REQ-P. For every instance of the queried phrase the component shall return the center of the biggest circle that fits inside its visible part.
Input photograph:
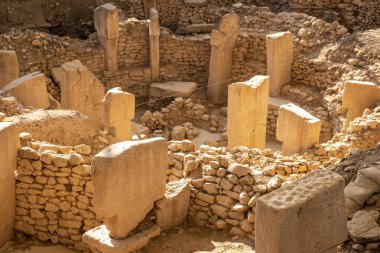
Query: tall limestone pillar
(222, 42)
(279, 61)
(247, 112)
(106, 19)
(148, 5)
(154, 44)
(9, 69)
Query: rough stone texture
(9, 144)
(363, 228)
(128, 177)
(30, 90)
(247, 112)
(172, 88)
(118, 110)
(222, 43)
(357, 97)
(307, 215)
(172, 210)
(279, 61)
(154, 44)
(106, 19)
(9, 69)
(200, 28)
(296, 129)
(80, 89)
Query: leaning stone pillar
(247, 112)
(279, 61)
(9, 145)
(154, 44)
(118, 110)
(296, 129)
(106, 19)
(9, 69)
(148, 5)
(222, 42)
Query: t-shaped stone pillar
(118, 110)
(9, 69)
(222, 43)
(279, 61)
(296, 129)
(154, 44)
(247, 112)
(106, 19)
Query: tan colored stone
(9, 69)
(154, 44)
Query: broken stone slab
(195, 3)
(128, 178)
(178, 133)
(9, 68)
(173, 88)
(200, 28)
(30, 90)
(172, 209)
(363, 228)
(100, 239)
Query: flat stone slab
(99, 238)
(172, 88)
(195, 3)
(200, 28)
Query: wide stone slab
(172, 88)
(200, 28)
(128, 178)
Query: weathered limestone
(106, 19)
(357, 97)
(128, 178)
(148, 5)
(279, 61)
(247, 112)
(9, 145)
(173, 88)
(9, 69)
(307, 215)
(296, 129)
(80, 89)
(222, 43)
(172, 209)
(154, 44)
(30, 90)
(118, 110)
(200, 28)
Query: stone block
(307, 215)
(200, 28)
(154, 44)
(9, 69)
(172, 89)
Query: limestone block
(148, 5)
(195, 3)
(9, 145)
(154, 44)
(100, 239)
(200, 28)
(106, 19)
(172, 88)
(172, 209)
(307, 215)
(118, 110)
(247, 112)
(363, 228)
(30, 90)
(80, 89)
(296, 129)
(222, 43)
(279, 60)
(358, 96)
(128, 178)
(9, 69)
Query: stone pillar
(106, 19)
(279, 61)
(358, 96)
(118, 110)
(154, 44)
(9, 145)
(307, 215)
(247, 112)
(222, 43)
(296, 129)
(9, 69)
(148, 5)
(30, 90)
(80, 89)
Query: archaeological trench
(124, 122)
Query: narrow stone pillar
(358, 96)
(296, 129)
(9, 145)
(9, 69)
(222, 43)
(148, 5)
(106, 19)
(154, 44)
(279, 61)
(247, 113)
(307, 215)
(118, 110)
